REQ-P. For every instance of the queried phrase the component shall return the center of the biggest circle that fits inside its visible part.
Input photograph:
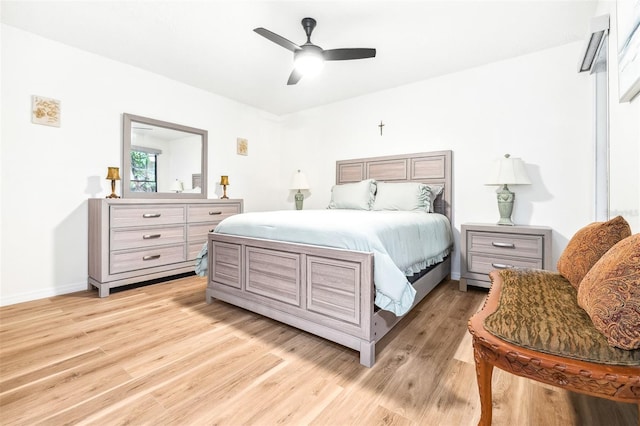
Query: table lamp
(299, 182)
(113, 174)
(507, 171)
(177, 186)
(224, 181)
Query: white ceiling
(211, 45)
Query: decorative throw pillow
(588, 245)
(610, 293)
(357, 195)
(404, 196)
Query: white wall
(48, 173)
(536, 107)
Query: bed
(328, 291)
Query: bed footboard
(326, 291)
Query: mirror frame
(126, 157)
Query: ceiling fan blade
(279, 40)
(294, 77)
(346, 54)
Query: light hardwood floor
(159, 355)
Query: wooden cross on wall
(381, 125)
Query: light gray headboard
(426, 167)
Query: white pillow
(404, 196)
(356, 196)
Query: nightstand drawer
(505, 244)
(483, 264)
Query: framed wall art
(45, 111)
(242, 146)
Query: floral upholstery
(538, 310)
(610, 293)
(588, 245)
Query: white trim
(42, 294)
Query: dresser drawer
(483, 264)
(200, 231)
(212, 212)
(504, 244)
(193, 249)
(131, 260)
(128, 238)
(147, 215)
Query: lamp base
(113, 190)
(224, 195)
(505, 206)
(299, 197)
(505, 221)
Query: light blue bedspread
(402, 243)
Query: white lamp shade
(508, 171)
(177, 186)
(299, 181)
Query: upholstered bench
(537, 324)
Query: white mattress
(402, 243)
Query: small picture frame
(242, 146)
(45, 111)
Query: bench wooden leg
(484, 373)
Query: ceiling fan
(309, 58)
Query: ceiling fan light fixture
(308, 63)
(308, 59)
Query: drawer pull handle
(150, 236)
(501, 265)
(150, 215)
(214, 213)
(151, 257)
(503, 245)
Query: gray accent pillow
(356, 196)
(404, 196)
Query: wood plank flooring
(158, 355)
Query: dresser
(136, 240)
(485, 247)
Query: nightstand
(485, 247)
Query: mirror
(162, 159)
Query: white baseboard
(41, 294)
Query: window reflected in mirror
(144, 177)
